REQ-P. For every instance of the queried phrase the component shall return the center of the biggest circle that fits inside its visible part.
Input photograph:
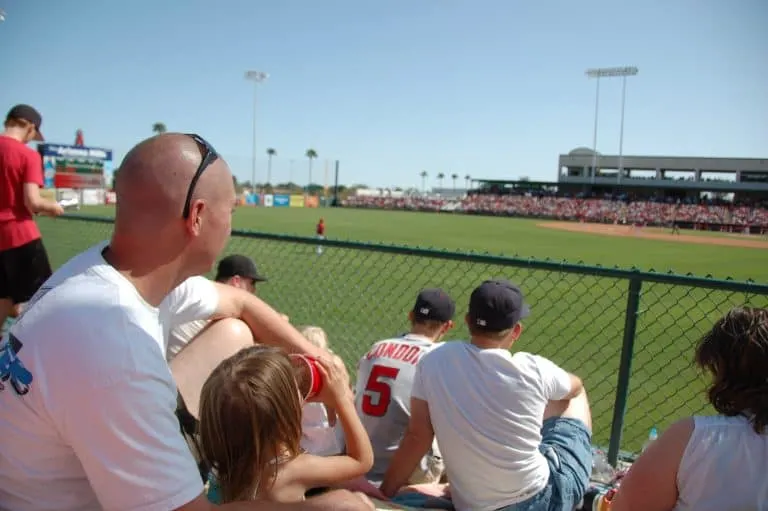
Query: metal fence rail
(629, 334)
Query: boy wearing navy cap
(384, 380)
(514, 430)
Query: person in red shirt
(24, 262)
(320, 232)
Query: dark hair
(735, 351)
(250, 418)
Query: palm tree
(423, 175)
(311, 154)
(270, 153)
(159, 128)
(440, 178)
(468, 178)
(454, 177)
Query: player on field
(384, 380)
(320, 233)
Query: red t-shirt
(320, 229)
(19, 164)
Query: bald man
(87, 397)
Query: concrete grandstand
(726, 194)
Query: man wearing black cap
(236, 270)
(515, 430)
(24, 262)
(384, 380)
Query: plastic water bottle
(652, 436)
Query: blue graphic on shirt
(11, 368)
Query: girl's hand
(335, 380)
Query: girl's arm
(318, 471)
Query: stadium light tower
(256, 77)
(610, 72)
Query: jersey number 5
(380, 383)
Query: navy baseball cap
(497, 305)
(29, 114)
(238, 265)
(434, 305)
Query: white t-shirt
(383, 396)
(318, 436)
(89, 421)
(182, 334)
(487, 408)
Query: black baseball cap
(29, 114)
(497, 305)
(238, 265)
(434, 305)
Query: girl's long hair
(735, 352)
(250, 420)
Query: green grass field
(578, 321)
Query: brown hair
(250, 417)
(735, 351)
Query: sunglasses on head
(209, 156)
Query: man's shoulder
(86, 330)
(11, 145)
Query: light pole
(256, 77)
(610, 72)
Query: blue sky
(490, 88)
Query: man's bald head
(155, 175)
(151, 186)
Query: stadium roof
(514, 182)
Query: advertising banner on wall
(281, 201)
(268, 200)
(252, 199)
(66, 166)
(297, 201)
(311, 202)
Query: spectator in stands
(89, 422)
(715, 463)
(250, 430)
(514, 430)
(385, 377)
(235, 270)
(24, 262)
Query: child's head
(250, 416)
(432, 314)
(495, 310)
(315, 335)
(735, 352)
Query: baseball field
(360, 295)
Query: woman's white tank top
(724, 467)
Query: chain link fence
(630, 335)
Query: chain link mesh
(577, 320)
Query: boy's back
(486, 407)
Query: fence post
(625, 368)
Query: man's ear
(517, 330)
(195, 220)
(410, 316)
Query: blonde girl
(250, 429)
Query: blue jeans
(567, 445)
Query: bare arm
(37, 204)
(651, 484)
(267, 325)
(415, 444)
(577, 387)
(318, 471)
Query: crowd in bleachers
(579, 209)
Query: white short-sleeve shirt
(486, 407)
(87, 414)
